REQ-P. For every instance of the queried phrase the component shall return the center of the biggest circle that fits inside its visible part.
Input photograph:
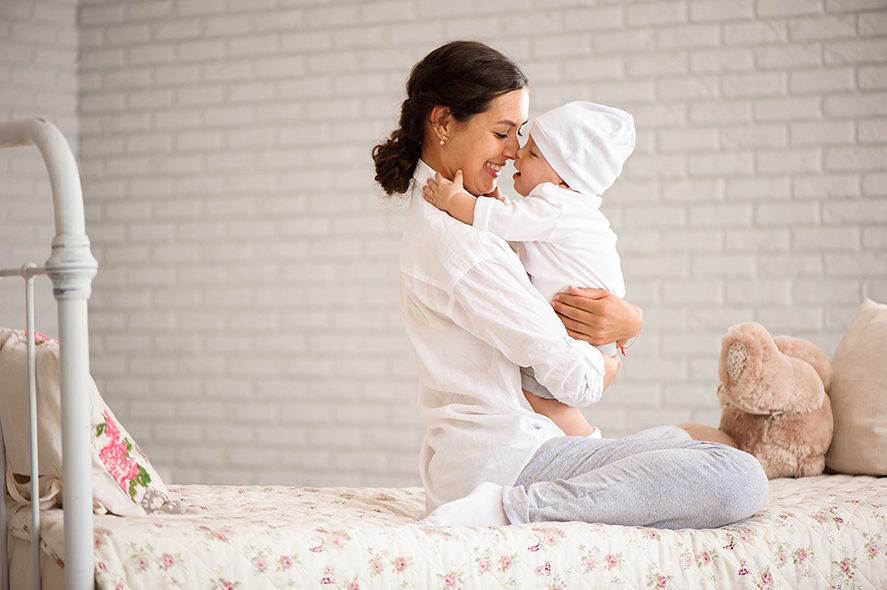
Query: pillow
(859, 395)
(123, 480)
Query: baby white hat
(585, 143)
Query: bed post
(71, 268)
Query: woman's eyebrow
(508, 122)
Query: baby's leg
(567, 418)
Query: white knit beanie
(585, 143)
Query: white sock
(482, 507)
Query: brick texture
(245, 318)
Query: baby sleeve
(527, 219)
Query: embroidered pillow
(123, 480)
(859, 395)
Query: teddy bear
(774, 400)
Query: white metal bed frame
(71, 268)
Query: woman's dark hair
(464, 76)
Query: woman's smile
(493, 169)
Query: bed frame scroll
(71, 268)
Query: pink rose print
(449, 580)
(611, 561)
(285, 562)
(661, 581)
(801, 554)
(168, 560)
(41, 338)
(376, 566)
(111, 428)
(115, 458)
(400, 564)
(766, 578)
(261, 564)
(504, 562)
(704, 558)
(483, 565)
(353, 586)
(872, 549)
(141, 562)
(845, 567)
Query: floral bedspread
(818, 532)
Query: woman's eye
(500, 135)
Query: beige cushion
(123, 480)
(859, 395)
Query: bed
(828, 531)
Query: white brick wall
(38, 77)
(245, 317)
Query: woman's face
(480, 146)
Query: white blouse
(472, 318)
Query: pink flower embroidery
(261, 564)
(111, 428)
(376, 565)
(801, 554)
(661, 581)
(845, 567)
(353, 586)
(168, 560)
(449, 580)
(766, 578)
(400, 564)
(611, 561)
(504, 562)
(115, 458)
(285, 562)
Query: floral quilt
(817, 532)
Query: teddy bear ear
(737, 360)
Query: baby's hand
(440, 192)
(496, 194)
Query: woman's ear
(441, 121)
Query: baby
(574, 153)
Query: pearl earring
(443, 140)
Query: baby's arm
(450, 197)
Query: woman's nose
(512, 147)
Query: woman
(473, 318)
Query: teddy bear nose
(737, 356)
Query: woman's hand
(597, 316)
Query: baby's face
(532, 169)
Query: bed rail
(71, 268)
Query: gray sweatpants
(659, 477)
